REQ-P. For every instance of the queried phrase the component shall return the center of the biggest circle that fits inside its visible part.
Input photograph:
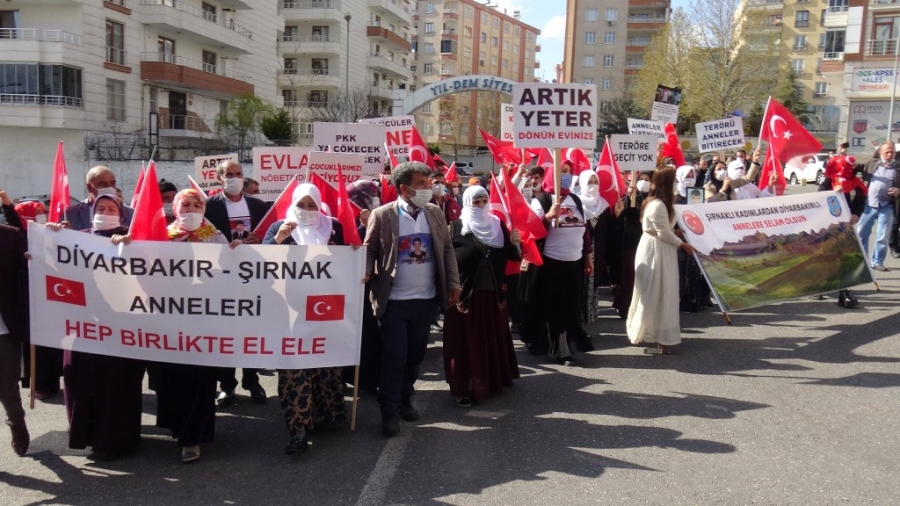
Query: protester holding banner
(13, 331)
(479, 357)
(99, 180)
(308, 395)
(883, 177)
(103, 393)
(685, 178)
(411, 261)
(225, 210)
(653, 315)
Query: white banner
(721, 134)
(872, 80)
(397, 132)
(325, 163)
(665, 104)
(506, 122)
(365, 139)
(549, 115)
(646, 127)
(205, 168)
(273, 307)
(634, 152)
(273, 168)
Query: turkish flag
(328, 193)
(578, 158)
(500, 149)
(66, 291)
(393, 158)
(785, 134)
(59, 191)
(137, 187)
(769, 165)
(388, 192)
(496, 206)
(612, 184)
(671, 147)
(149, 221)
(279, 208)
(324, 308)
(451, 174)
(346, 212)
(418, 151)
(196, 186)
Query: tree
(453, 122)
(277, 128)
(614, 120)
(346, 107)
(240, 124)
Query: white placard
(397, 132)
(722, 134)
(506, 122)
(272, 307)
(646, 127)
(353, 167)
(549, 115)
(273, 168)
(872, 80)
(205, 168)
(666, 113)
(634, 152)
(365, 139)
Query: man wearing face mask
(99, 180)
(167, 191)
(223, 209)
(442, 198)
(406, 292)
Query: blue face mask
(565, 181)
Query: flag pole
(32, 363)
(355, 398)
(557, 178)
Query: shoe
(569, 361)
(408, 412)
(658, 350)
(225, 398)
(190, 454)
(846, 299)
(464, 402)
(257, 394)
(895, 253)
(880, 268)
(390, 425)
(297, 445)
(20, 438)
(43, 395)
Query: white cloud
(555, 28)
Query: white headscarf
(593, 203)
(681, 173)
(479, 221)
(319, 232)
(736, 168)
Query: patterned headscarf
(201, 233)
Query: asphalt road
(794, 403)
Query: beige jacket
(382, 233)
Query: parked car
(465, 168)
(813, 170)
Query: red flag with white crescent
(59, 191)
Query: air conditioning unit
(481, 62)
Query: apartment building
(342, 59)
(114, 78)
(465, 37)
(606, 41)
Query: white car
(813, 169)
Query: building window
(166, 49)
(483, 38)
(494, 41)
(429, 27)
(607, 60)
(493, 59)
(506, 45)
(319, 66)
(773, 20)
(590, 37)
(469, 11)
(467, 32)
(527, 54)
(833, 42)
(609, 38)
(289, 97)
(427, 68)
(429, 48)
(318, 98)
(587, 80)
(115, 100)
(798, 64)
(495, 23)
(505, 63)
(588, 60)
(801, 19)
(115, 42)
(591, 14)
(427, 107)
(505, 27)
(606, 83)
(209, 12)
(821, 89)
(41, 84)
(605, 106)
(515, 66)
(612, 14)
(290, 33)
(209, 62)
(515, 50)
(446, 46)
(484, 18)
(515, 31)
(429, 7)
(799, 42)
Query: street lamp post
(890, 128)
(347, 72)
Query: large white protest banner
(273, 168)
(397, 132)
(550, 115)
(721, 134)
(205, 169)
(760, 251)
(274, 307)
(634, 152)
(325, 164)
(646, 127)
(366, 139)
(506, 122)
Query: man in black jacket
(13, 331)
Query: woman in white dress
(653, 315)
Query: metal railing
(201, 14)
(39, 34)
(180, 122)
(309, 38)
(837, 8)
(884, 2)
(833, 56)
(392, 60)
(54, 100)
(310, 72)
(326, 4)
(194, 64)
(881, 47)
(115, 55)
(308, 104)
(646, 19)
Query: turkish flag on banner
(346, 212)
(59, 191)
(149, 221)
(671, 147)
(323, 308)
(279, 208)
(612, 184)
(328, 193)
(66, 291)
(785, 134)
(418, 151)
(137, 187)
(769, 165)
(196, 186)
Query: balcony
(646, 22)
(38, 45)
(392, 7)
(765, 5)
(881, 47)
(537, 48)
(833, 56)
(41, 111)
(383, 34)
(326, 10)
(384, 92)
(181, 72)
(388, 65)
(449, 35)
(875, 4)
(452, 57)
(171, 125)
(320, 78)
(310, 44)
(193, 22)
(835, 17)
(448, 13)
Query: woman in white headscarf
(308, 396)
(741, 181)
(685, 177)
(479, 358)
(597, 220)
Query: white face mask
(233, 185)
(305, 217)
(438, 190)
(643, 186)
(41, 218)
(527, 192)
(689, 182)
(721, 175)
(106, 191)
(421, 198)
(105, 221)
(592, 190)
(190, 221)
(168, 208)
(376, 202)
